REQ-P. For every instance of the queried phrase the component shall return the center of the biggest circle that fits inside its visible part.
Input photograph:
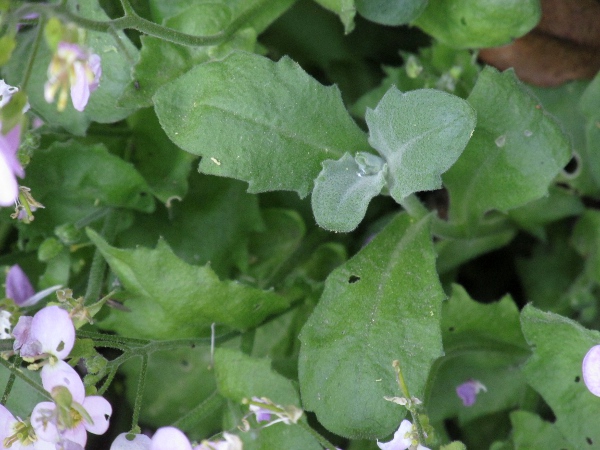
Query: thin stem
(108, 381)
(98, 267)
(11, 381)
(34, 51)
(140, 393)
(404, 388)
(127, 8)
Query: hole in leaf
(573, 167)
(353, 279)
(463, 21)
(577, 379)
(185, 363)
(589, 440)
(451, 329)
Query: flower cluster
(171, 438)
(72, 68)
(46, 339)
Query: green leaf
(391, 12)
(531, 432)
(164, 166)
(513, 156)
(382, 305)
(420, 134)
(482, 342)
(452, 253)
(588, 105)
(559, 345)
(73, 180)
(346, 9)
(266, 123)
(242, 377)
(558, 204)
(220, 208)
(586, 240)
(23, 397)
(161, 306)
(478, 23)
(176, 381)
(344, 189)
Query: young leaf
(390, 12)
(382, 305)
(477, 23)
(266, 123)
(420, 134)
(343, 191)
(514, 154)
(559, 345)
(161, 306)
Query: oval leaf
(382, 305)
(420, 134)
(342, 193)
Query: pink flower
(468, 391)
(67, 420)
(170, 438)
(49, 333)
(229, 442)
(72, 66)
(139, 442)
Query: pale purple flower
(50, 332)
(11, 432)
(591, 370)
(404, 438)
(87, 414)
(19, 288)
(72, 67)
(139, 442)
(262, 414)
(10, 167)
(468, 391)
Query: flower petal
(80, 89)
(139, 442)
(44, 428)
(591, 370)
(100, 411)
(62, 374)
(53, 328)
(170, 438)
(18, 286)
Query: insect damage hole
(353, 279)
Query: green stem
(98, 267)
(140, 393)
(11, 381)
(413, 206)
(34, 51)
(488, 227)
(404, 388)
(324, 442)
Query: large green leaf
(559, 345)
(391, 12)
(420, 134)
(514, 154)
(483, 342)
(171, 299)
(242, 377)
(531, 432)
(382, 305)
(73, 180)
(589, 106)
(266, 123)
(479, 23)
